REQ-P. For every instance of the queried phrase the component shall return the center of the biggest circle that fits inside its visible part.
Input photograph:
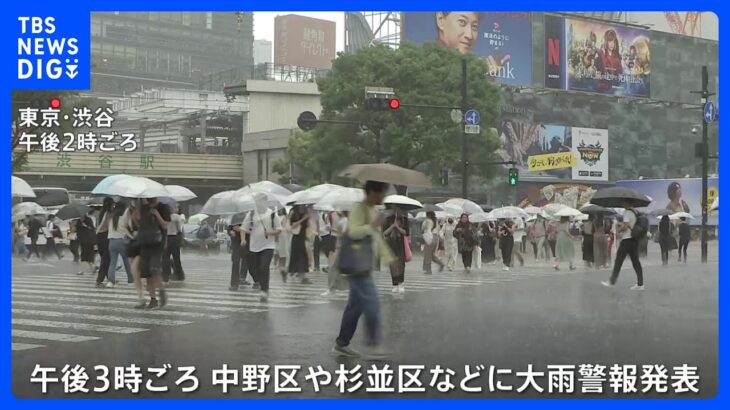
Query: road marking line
(58, 337)
(76, 326)
(109, 318)
(25, 346)
(78, 305)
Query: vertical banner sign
(554, 52)
(590, 147)
(503, 40)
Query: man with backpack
(634, 227)
(264, 226)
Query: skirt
(87, 252)
(298, 261)
(327, 244)
(282, 245)
(587, 248)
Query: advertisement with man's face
(677, 195)
(504, 40)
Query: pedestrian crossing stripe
(101, 318)
(58, 337)
(25, 346)
(76, 326)
(110, 306)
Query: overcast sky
(263, 24)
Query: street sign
(471, 129)
(307, 121)
(471, 117)
(709, 112)
(456, 116)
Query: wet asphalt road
(530, 315)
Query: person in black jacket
(34, 228)
(664, 239)
(684, 238)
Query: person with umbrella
(587, 244)
(263, 226)
(466, 238)
(684, 238)
(487, 242)
(430, 229)
(153, 220)
(102, 240)
(239, 253)
(172, 250)
(52, 231)
(600, 242)
(34, 228)
(299, 255)
(396, 234)
(364, 224)
(450, 243)
(506, 242)
(564, 249)
(628, 246)
(87, 239)
(118, 236)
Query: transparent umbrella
(342, 199)
(311, 195)
(229, 203)
(21, 188)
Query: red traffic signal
(394, 103)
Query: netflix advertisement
(597, 57)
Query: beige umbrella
(389, 173)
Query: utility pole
(704, 94)
(464, 141)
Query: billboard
(522, 140)
(503, 39)
(677, 195)
(597, 57)
(304, 41)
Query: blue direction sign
(471, 117)
(709, 112)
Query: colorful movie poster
(503, 39)
(590, 147)
(597, 57)
(677, 195)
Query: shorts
(150, 263)
(133, 249)
(327, 244)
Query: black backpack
(203, 232)
(641, 227)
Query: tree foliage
(423, 138)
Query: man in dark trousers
(628, 246)
(174, 229)
(34, 228)
(239, 256)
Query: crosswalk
(50, 309)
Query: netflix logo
(554, 52)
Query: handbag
(407, 248)
(356, 255)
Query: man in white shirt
(628, 246)
(264, 226)
(50, 240)
(174, 229)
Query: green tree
(423, 138)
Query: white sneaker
(110, 284)
(637, 287)
(607, 284)
(395, 289)
(264, 296)
(506, 268)
(326, 293)
(401, 289)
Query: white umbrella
(403, 202)
(681, 215)
(24, 209)
(311, 195)
(533, 210)
(130, 186)
(229, 203)
(273, 200)
(439, 215)
(480, 217)
(342, 199)
(197, 218)
(466, 206)
(451, 209)
(715, 204)
(550, 210)
(270, 187)
(508, 212)
(21, 188)
(180, 193)
(569, 212)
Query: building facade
(262, 52)
(132, 51)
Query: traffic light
(378, 99)
(513, 176)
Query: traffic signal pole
(704, 95)
(464, 141)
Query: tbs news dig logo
(42, 55)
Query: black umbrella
(72, 211)
(596, 210)
(615, 197)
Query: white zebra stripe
(25, 346)
(102, 318)
(111, 306)
(76, 326)
(58, 337)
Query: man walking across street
(629, 246)
(364, 223)
(264, 226)
(174, 229)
